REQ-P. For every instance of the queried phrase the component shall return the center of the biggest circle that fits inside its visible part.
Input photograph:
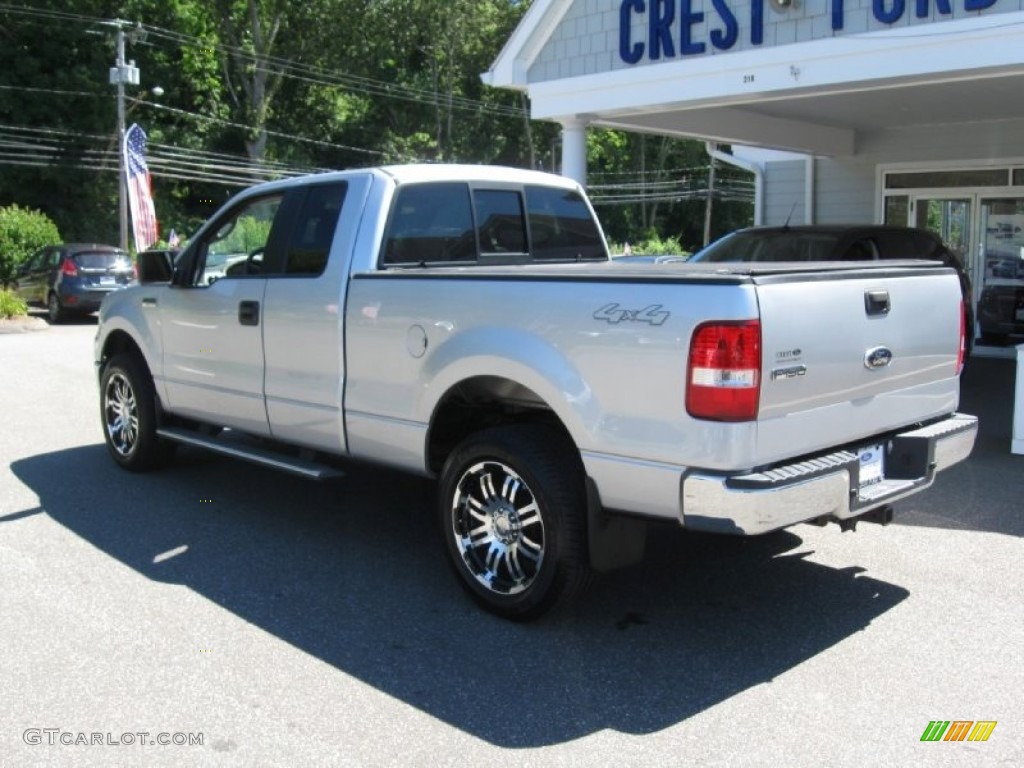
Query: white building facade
(885, 111)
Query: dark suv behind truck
(73, 278)
(843, 242)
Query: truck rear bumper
(827, 486)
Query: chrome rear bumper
(824, 487)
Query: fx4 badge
(613, 314)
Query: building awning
(822, 96)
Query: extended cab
(465, 323)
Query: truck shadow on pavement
(352, 573)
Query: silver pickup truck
(466, 323)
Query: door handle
(249, 312)
(876, 302)
(148, 301)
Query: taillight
(724, 378)
(68, 268)
(962, 354)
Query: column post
(574, 149)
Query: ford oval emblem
(879, 357)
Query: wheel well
(118, 343)
(479, 403)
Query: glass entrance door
(999, 274)
(950, 218)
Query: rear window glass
(445, 223)
(431, 223)
(561, 226)
(102, 260)
(781, 246)
(501, 225)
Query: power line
(292, 69)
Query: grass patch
(11, 305)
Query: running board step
(293, 464)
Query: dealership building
(845, 111)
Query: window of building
(976, 177)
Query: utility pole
(122, 72)
(710, 202)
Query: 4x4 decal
(613, 314)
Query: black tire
(512, 504)
(128, 412)
(55, 312)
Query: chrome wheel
(512, 505)
(498, 528)
(121, 414)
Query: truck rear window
(447, 223)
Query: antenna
(790, 216)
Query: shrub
(652, 246)
(22, 233)
(11, 305)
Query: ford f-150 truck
(466, 323)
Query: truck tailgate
(849, 354)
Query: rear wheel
(513, 512)
(55, 313)
(128, 410)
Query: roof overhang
(818, 97)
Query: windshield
(769, 246)
(102, 260)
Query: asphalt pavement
(282, 622)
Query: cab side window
(314, 229)
(430, 223)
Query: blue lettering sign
(890, 16)
(663, 13)
(724, 40)
(673, 27)
(942, 6)
(687, 18)
(629, 51)
(837, 14)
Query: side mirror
(155, 267)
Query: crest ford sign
(679, 28)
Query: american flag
(140, 193)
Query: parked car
(664, 258)
(73, 278)
(1001, 312)
(822, 242)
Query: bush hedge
(22, 233)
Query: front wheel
(513, 512)
(128, 410)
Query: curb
(22, 324)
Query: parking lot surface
(282, 622)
